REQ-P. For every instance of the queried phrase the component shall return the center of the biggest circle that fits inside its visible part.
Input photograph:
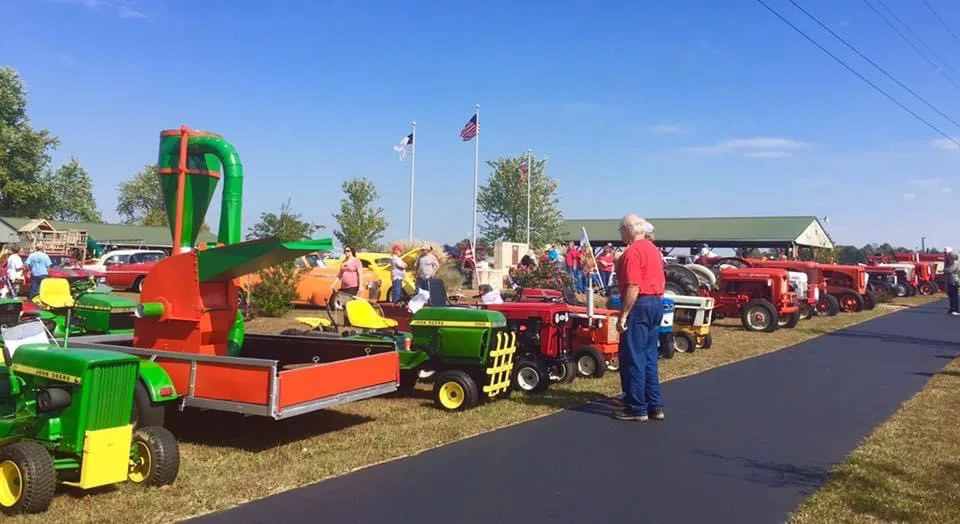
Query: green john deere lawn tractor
(468, 353)
(95, 310)
(65, 416)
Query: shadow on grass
(254, 434)
(558, 398)
(947, 373)
(771, 474)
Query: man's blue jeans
(576, 275)
(35, 281)
(639, 351)
(396, 291)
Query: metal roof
(715, 231)
(119, 234)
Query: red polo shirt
(641, 265)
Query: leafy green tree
(360, 224)
(140, 200)
(72, 194)
(24, 153)
(285, 225)
(503, 203)
(277, 289)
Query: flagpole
(529, 177)
(413, 173)
(476, 180)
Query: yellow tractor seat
(55, 293)
(361, 314)
(314, 322)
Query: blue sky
(680, 108)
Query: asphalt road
(741, 444)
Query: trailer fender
(157, 382)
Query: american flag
(523, 170)
(469, 131)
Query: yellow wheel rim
(11, 484)
(140, 463)
(451, 395)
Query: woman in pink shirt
(350, 278)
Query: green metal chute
(223, 263)
(93, 248)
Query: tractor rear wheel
(563, 372)
(684, 342)
(900, 289)
(27, 478)
(530, 375)
(927, 288)
(667, 345)
(590, 363)
(760, 315)
(870, 300)
(827, 306)
(145, 412)
(850, 301)
(789, 322)
(455, 390)
(154, 457)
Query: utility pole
(923, 244)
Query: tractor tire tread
(38, 476)
(471, 394)
(164, 452)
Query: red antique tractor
(848, 284)
(761, 297)
(883, 280)
(815, 299)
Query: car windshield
(151, 257)
(314, 260)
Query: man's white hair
(636, 226)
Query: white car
(121, 256)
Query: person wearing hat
(427, 266)
(398, 270)
(951, 276)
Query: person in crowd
(574, 261)
(553, 255)
(641, 282)
(951, 274)
(398, 270)
(529, 259)
(350, 277)
(14, 270)
(6, 286)
(39, 263)
(427, 266)
(605, 261)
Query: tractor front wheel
(667, 346)
(911, 289)
(454, 390)
(27, 478)
(760, 315)
(145, 412)
(870, 300)
(789, 322)
(850, 301)
(563, 372)
(154, 457)
(707, 341)
(806, 311)
(590, 363)
(684, 342)
(927, 288)
(530, 375)
(827, 306)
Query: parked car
(125, 268)
(316, 286)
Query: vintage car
(125, 268)
(380, 264)
(316, 286)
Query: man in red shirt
(641, 281)
(574, 260)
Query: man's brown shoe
(622, 414)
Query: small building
(122, 236)
(785, 233)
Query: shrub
(272, 296)
(546, 275)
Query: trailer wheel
(870, 300)
(667, 345)
(455, 390)
(590, 363)
(827, 306)
(684, 342)
(707, 341)
(154, 457)
(760, 315)
(927, 288)
(850, 301)
(27, 478)
(789, 322)
(530, 375)
(145, 412)
(563, 372)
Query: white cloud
(755, 147)
(945, 144)
(946, 190)
(909, 196)
(669, 129)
